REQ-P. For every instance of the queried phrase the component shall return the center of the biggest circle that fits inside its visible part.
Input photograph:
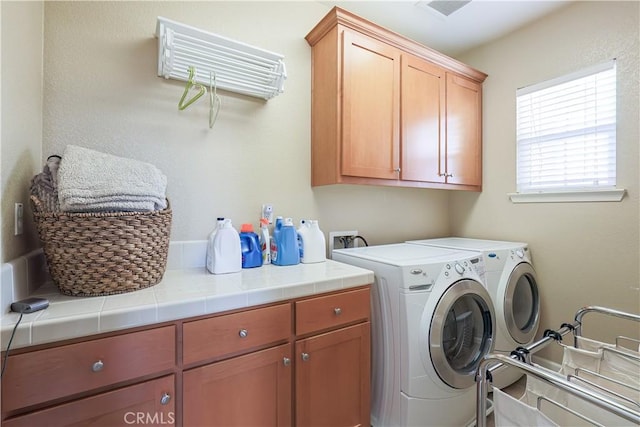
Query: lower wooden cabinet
(333, 378)
(249, 390)
(326, 382)
(303, 362)
(149, 403)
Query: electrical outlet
(267, 212)
(18, 219)
(342, 239)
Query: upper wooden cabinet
(389, 111)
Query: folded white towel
(89, 180)
(110, 206)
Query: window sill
(613, 195)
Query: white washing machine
(432, 322)
(511, 280)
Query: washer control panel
(458, 269)
(519, 254)
(422, 277)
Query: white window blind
(566, 132)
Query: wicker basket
(103, 253)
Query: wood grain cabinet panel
(464, 131)
(74, 368)
(331, 311)
(423, 121)
(333, 378)
(370, 107)
(233, 333)
(386, 110)
(249, 390)
(150, 403)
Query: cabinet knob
(305, 356)
(97, 366)
(337, 311)
(243, 333)
(165, 399)
(397, 170)
(286, 361)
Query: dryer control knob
(520, 253)
(459, 268)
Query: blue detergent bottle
(272, 244)
(250, 247)
(287, 248)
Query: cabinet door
(250, 390)
(333, 378)
(423, 108)
(370, 108)
(148, 403)
(464, 131)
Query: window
(566, 133)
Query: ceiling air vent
(444, 7)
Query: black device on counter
(30, 305)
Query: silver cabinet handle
(397, 170)
(243, 333)
(337, 311)
(305, 356)
(165, 399)
(286, 361)
(97, 366)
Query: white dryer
(432, 323)
(511, 280)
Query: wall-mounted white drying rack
(238, 67)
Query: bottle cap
(246, 228)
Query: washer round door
(522, 304)
(461, 332)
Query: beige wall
(21, 116)
(101, 91)
(584, 253)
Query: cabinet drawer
(330, 311)
(43, 375)
(151, 402)
(234, 333)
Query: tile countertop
(182, 293)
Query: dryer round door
(461, 332)
(522, 304)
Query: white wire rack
(238, 67)
(601, 396)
